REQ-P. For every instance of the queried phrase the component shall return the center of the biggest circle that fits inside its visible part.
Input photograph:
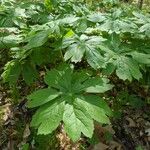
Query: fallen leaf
(115, 145)
(5, 112)
(100, 146)
(26, 132)
(148, 132)
(131, 122)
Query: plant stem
(140, 4)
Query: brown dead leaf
(65, 141)
(148, 132)
(26, 132)
(100, 131)
(131, 122)
(109, 128)
(5, 112)
(42, 73)
(115, 145)
(100, 146)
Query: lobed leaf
(42, 96)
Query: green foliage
(49, 141)
(25, 147)
(84, 45)
(125, 99)
(12, 72)
(132, 100)
(69, 95)
(89, 41)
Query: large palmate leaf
(121, 58)
(115, 22)
(144, 21)
(77, 47)
(65, 100)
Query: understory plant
(80, 48)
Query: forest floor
(131, 131)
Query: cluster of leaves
(69, 98)
(36, 34)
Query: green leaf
(72, 125)
(76, 120)
(134, 68)
(10, 41)
(77, 47)
(115, 22)
(99, 89)
(123, 71)
(76, 53)
(141, 57)
(61, 78)
(97, 85)
(110, 67)
(62, 98)
(11, 72)
(95, 106)
(128, 68)
(82, 26)
(41, 97)
(94, 58)
(68, 20)
(38, 39)
(38, 55)
(50, 4)
(48, 117)
(25, 146)
(52, 77)
(29, 73)
(96, 17)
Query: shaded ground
(131, 131)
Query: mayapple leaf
(94, 105)
(141, 57)
(98, 88)
(64, 100)
(48, 116)
(29, 72)
(42, 96)
(96, 17)
(76, 120)
(80, 46)
(10, 41)
(120, 58)
(38, 39)
(11, 72)
(97, 85)
(127, 68)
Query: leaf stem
(61, 54)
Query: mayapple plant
(70, 98)
(62, 36)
